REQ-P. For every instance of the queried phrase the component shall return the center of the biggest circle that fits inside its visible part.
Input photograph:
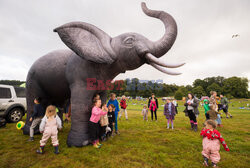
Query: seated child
(49, 125)
(96, 113)
(211, 143)
(111, 118)
(145, 112)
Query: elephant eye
(129, 40)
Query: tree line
(233, 87)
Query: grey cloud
(204, 33)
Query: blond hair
(50, 111)
(212, 123)
(212, 92)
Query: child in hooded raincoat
(207, 108)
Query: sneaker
(31, 139)
(231, 116)
(117, 132)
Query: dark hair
(103, 104)
(152, 94)
(94, 101)
(39, 99)
(95, 95)
(212, 123)
(191, 95)
(113, 106)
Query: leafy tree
(237, 87)
(214, 87)
(178, 94)
(198, 91)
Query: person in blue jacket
(114, 101)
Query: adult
(153, 106)
(192, 111)
(114, 101)
(224, 105)
(123, 105)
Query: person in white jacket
(49, 127)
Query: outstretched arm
(58, 122)
(42, 124)
(223, 143)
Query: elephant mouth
(160, 65)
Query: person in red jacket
(211, 143)
(123, 105)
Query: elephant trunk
(161, 47)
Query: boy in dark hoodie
(36, 117)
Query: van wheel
(15, 115)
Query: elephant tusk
(164, 70)
(155, 60)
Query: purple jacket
(167, 111)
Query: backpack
(2, 122)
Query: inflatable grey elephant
(64, 74)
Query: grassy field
(141, 144)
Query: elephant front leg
(81, 103)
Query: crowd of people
(103, 122)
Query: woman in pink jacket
(96, 114)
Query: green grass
(141, 144)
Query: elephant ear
(87, 41)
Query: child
(96, 113)
(211, 143)
(103, 123)
(145, 113)
(36, 116)
(49, 125)
(111, 118)
(123, 107)
(114, 101)
(169, 112)
(207, 108)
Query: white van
(12, 103)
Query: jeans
(116, 124)
(218, 120)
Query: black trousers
(93, 131)
(110, 132)
(207, 116)
(102, 131)
(192, 116)
(152, 114)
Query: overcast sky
(204, 41)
